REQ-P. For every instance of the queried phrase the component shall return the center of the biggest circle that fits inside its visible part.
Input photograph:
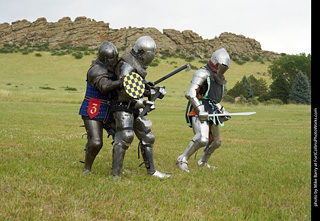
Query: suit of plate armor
(101, 82)
(204, 95)
(126, 109)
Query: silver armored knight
(101, 82)
(204, 95)
(126, 110)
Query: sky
(282, 26)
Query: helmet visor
(148, 57)
(222, 69)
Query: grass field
(263, 164)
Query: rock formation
(90, 33)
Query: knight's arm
(104, 84)
(98, 78)
(198, 78)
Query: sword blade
(232, 114)
(187, 66)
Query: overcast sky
(279, 25)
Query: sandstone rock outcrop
(90, 33)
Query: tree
(290, 65)
(258, 86)
(237, 90)
(247, 86)
(301, 91)
(279, 89)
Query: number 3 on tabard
(93, 107)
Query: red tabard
(94, 106)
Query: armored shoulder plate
(95, 72)
(124, 69)
(200, 76)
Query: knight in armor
(204, 96)
(100, 91)
(126, 110)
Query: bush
(153, 64)
(228, 98)
(182, 56)
(189, 59)
(274, 102)
(193, 67)
(46, 88)
(203, 61)
(67, 88)
(264, 97)
(253, 101)
(77, 55)
(166, 53)
(240, 100)
(239, 62)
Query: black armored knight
(101, 85)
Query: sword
(232, 114)
(147, 107)
(187, 66)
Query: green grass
(263, 164)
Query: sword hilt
(148, 106)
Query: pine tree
(258, 86)
(237, 90)
(279, 89)
(300, 90)
(247, 86)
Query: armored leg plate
(117, 160)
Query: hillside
(90, 33)
(62, 78)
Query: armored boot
(203, 162)
(118, 154)
(147, 155)
(210, 148)
(89, 158)
(182, 161)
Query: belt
(102, 100)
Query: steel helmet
(144, 50)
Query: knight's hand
(223, 111)
(203, 115)
(139, 103)
(162, 92)
(149, 84)
(151, 103)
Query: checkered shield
(133, 84)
